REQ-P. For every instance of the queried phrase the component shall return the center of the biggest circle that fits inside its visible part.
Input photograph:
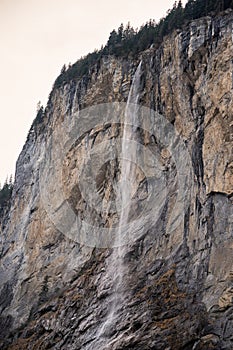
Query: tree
(113, 38)
(189, 10)
(11, 181)
(40, 113)
(179, 15)
(120, 32)
(38, 107)
(5, 195)
(112, 42)
(63, 70)
(129, 32)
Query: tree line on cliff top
(128, 42)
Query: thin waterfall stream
(116, 266)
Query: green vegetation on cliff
(5, 196)
(128, 42)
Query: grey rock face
(177, 285)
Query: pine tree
(129, 32)
(5, 194)
(38, 106)
(189, 10)
(120, 32)
(11, 181)
(63, 70)
(112, 41)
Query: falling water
(128, 177)
(116, 267)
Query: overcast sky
(37, 37)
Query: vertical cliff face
(178, 283)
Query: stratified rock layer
(55, 292)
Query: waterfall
(129, 152)
(116, 267)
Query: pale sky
(37, 37)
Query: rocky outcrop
(178, 283)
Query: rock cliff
(178, 282)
